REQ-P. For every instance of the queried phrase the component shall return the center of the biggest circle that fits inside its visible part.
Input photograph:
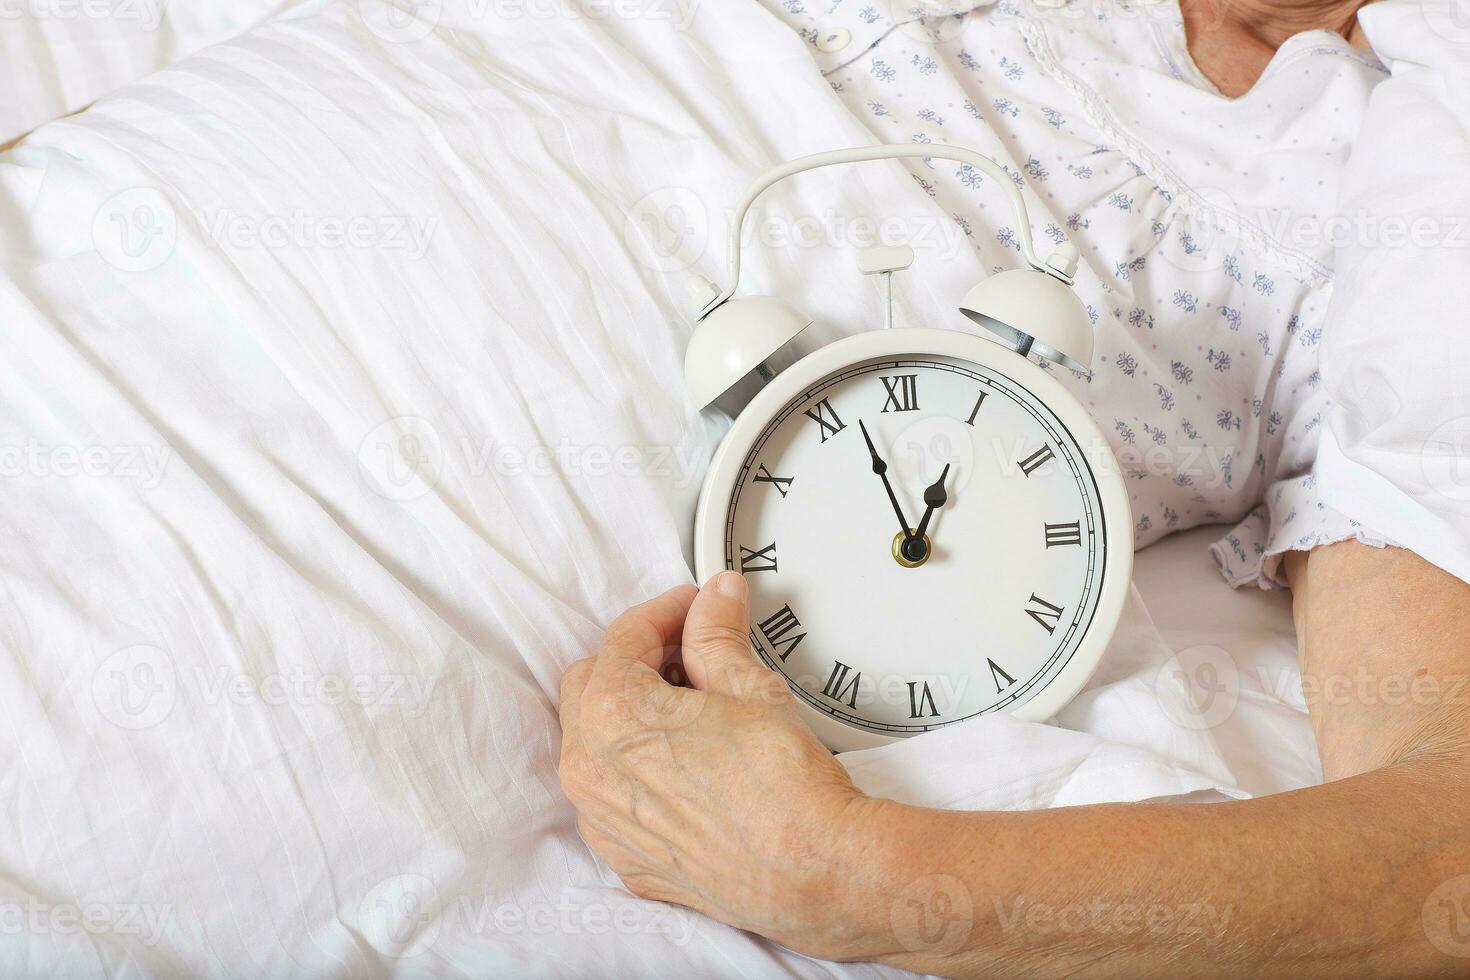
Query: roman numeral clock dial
(924, 539)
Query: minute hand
(881, 468)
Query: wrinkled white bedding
(342, 409)
(57, 56)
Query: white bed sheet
(57, 56)
(277, 702)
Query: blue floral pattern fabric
(1199, 219)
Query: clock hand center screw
(916, 549)
(911, 551)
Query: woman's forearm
(1357, 873)
(1320, 881)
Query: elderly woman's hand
(717, 796)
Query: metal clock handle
(863, 154)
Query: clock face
(875, 626)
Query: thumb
(717, 651)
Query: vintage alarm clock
(931, 526)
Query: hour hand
(935, 497)
(881, 468)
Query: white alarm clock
(932, 528)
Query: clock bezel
(918, 342)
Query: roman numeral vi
(917, 701)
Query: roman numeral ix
(760, 560)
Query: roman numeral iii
(1060, 535)
(778, 629)
(839, 688)
(1045, 613)
(760, 560)
(826, 416)
(903, 392)
(919, 699)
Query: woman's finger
(573, 683)
(717, 653)
(646, 633)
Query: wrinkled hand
(716, 797)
